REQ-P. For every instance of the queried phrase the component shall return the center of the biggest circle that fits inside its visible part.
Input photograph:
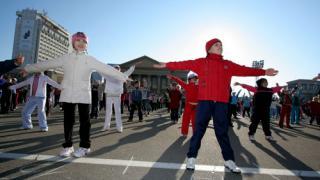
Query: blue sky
(284, 33)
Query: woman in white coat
(76, 90)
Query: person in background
(191, 89)
(113, 90)
(135, 101)
(175, 97)
(8, 65)
(6, 98)
(261, 107)
(37, 99)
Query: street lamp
(258, 65)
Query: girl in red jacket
(189, 113)
(215, 75)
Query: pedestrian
(314, 107)
(214, 81)
(234, 103)
(37, 99)
(135, 101)
(246, 102)
(175, 97)
(191, 89)
(261, 107)
(295, 107)
(76, 90)
(113, 90)
(8, 65)
(6, 98)
(285, 101)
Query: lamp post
(258, 64)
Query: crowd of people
(206, 95)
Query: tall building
(39, 38)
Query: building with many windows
(309, 88)
(38, 38)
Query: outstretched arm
(245, 86)
(276, 89)
(53, 83)
(178, 80)
(20, 84)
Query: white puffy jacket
(77, 67)
(114, 87)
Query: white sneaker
(120, 130)
(191, 163)
(232, 166)
(44, 130)
(66, 152)
(81, 152)
(105, 129)
(270, 138)
(251, 137)
(25, 128)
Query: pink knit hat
(210, 43)
(78, 36)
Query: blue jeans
(29, 107)
(295, 114)
(219, 111)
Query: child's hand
(271, 72)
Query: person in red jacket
(175, 97)
(285, 108)
(215, 75)
(314, 107)
(189, 113)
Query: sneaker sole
(235, 172)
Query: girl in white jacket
(76, 89)
(113, 90)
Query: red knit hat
(210, 43)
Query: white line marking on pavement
(161, 165)
(125, 170)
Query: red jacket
(191, 90)
(175, 97)
(215, 75)
(276, 89)
(314, 108)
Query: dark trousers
(135, 105)
(262, 115)
(246, 109)
(174, 114)
(13, 101)
(5, 101)
(219, 112)
(234, 110)
(94, 104)
(69, 120)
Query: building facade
(154, 79)
(309, 88)
(38, 38)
